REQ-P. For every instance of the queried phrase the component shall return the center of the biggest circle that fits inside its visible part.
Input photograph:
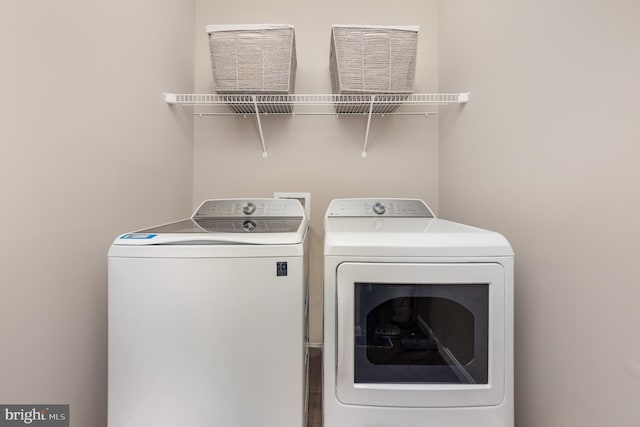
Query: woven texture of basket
(373, 60)
(253, 59)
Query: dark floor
(314, 417)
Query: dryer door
(420, 335)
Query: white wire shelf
(315, 104)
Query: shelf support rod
(264, 147)
(366, 134)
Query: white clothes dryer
(418, 319)
(207, 319)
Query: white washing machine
(207, 319)
(418, 319)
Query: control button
(378, 208)
(248, 208)
(248, 226)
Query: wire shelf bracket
(366, 105)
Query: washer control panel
(411, 208)
(238, 208)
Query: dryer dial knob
(248, 208)
(378, 208)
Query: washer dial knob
(248, 226)
(248, 208)
(378, 208)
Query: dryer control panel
(412, 208)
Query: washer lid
(230, 221)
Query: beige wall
(88, 149)
(318, 154)
(547, 153)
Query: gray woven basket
(253, 59)
(373, 60)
